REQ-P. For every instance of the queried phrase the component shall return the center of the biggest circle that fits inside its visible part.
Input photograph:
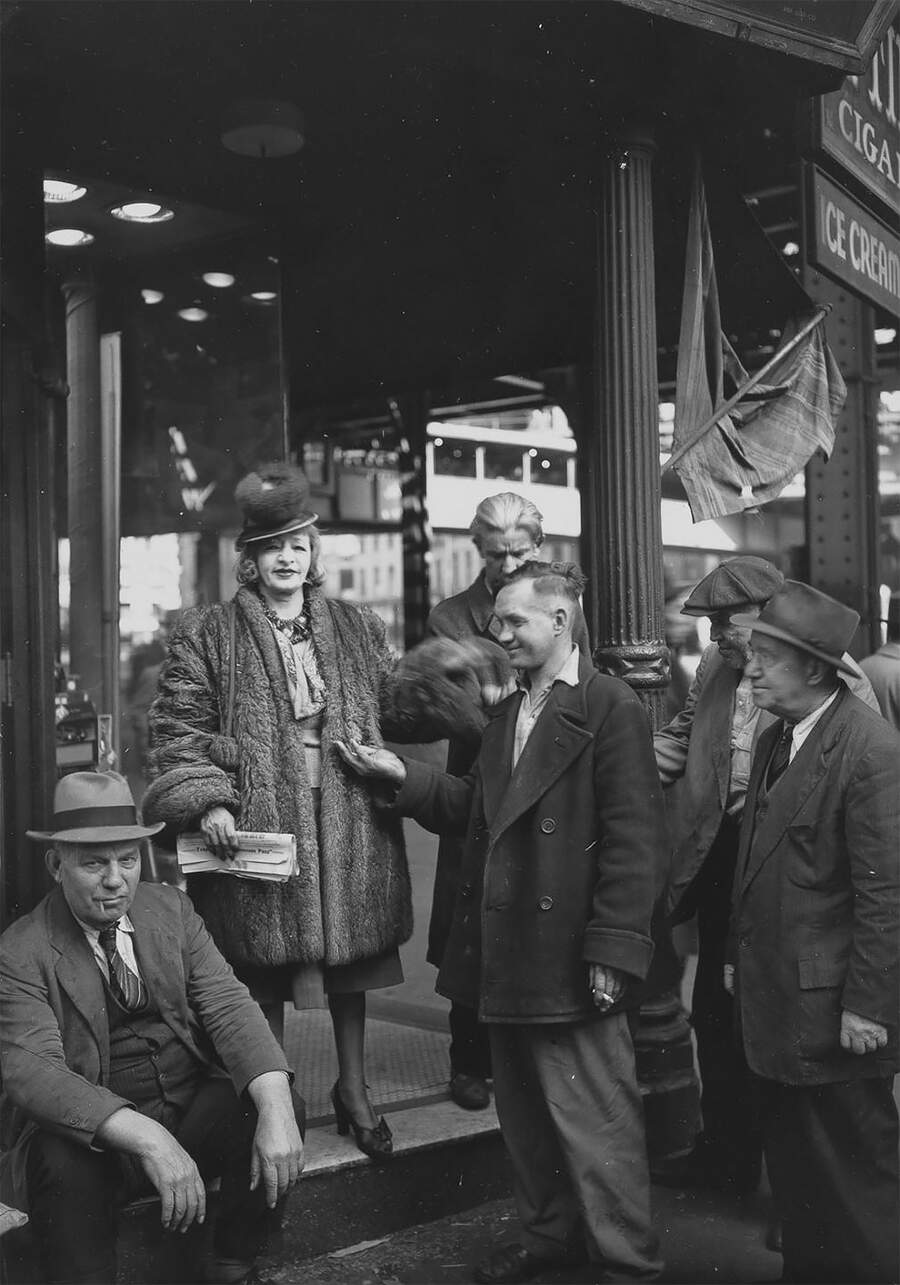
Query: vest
(148, 1064)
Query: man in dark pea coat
(815, 944)
(563, 859)
(507, 531)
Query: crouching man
(563, 857)
(117, 1017)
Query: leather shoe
(511, 1263)
(469, 1091)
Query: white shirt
(533, 702)
(802, 729)
(124, 945)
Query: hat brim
(99, 833)
(296, 524)
(775, 631)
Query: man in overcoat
(132, 1059)
(563, 859)
(507, 532)
(814, 947)
(703, 756)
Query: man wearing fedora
(131, 1058)
(703, 757)
(814, 943)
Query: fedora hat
(94, 807)
(808, 619)
(739, 582)
(274, 501)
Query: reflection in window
(550, 468)
(503, 463)
(454, 459)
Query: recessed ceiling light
(885, 335)
(58, 192)
(220, 280)
(69, 236)
(152, 296)
(264, 296)
(142, 212)
(193, 314)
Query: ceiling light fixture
(264, 128)
(263, 296)
(193, 314)
(885, 335)
(69, 237)
(59, 192)
(790, 249)
(152, 296)
(219, 280)
(142, 212)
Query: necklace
(296, 629)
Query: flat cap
(737, 583)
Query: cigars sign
(859, 124)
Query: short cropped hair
(504, 512)
(247, 572)
(552, 579)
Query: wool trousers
(572, 1120)
(470, 1049)
(74, 1193)
(831, 1156)
(731, 1130)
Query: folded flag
(754, 450)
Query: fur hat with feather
(274, 501)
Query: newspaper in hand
(272, 857)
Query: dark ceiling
(439, 222)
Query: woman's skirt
(309, 985)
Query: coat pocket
(821, 980)
(819, 971)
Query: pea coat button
(546, 903)
(466, 890)
(548, 825)
(744, 941)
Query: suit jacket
(469, 614)
(54, 1035)
(816, 909)
(563, 856)
(693, 756)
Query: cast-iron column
(623, 527)
(624, 463)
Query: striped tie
(781, 755)
(125, 985)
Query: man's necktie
(781, 755)
(124, 984)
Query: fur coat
(351, 899)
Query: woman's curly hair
(247, 571)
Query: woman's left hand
(371, 761)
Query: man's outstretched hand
(372, 761)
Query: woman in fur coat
(252, 698)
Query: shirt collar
(568, 674)
(803, 728)
(93, 934)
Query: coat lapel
(559, 736)
(156, 946)
(481, 608)
(495, 760)
(78, 973)
(809, 765)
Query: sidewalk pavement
(705, 1237)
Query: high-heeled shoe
(376, 1142)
